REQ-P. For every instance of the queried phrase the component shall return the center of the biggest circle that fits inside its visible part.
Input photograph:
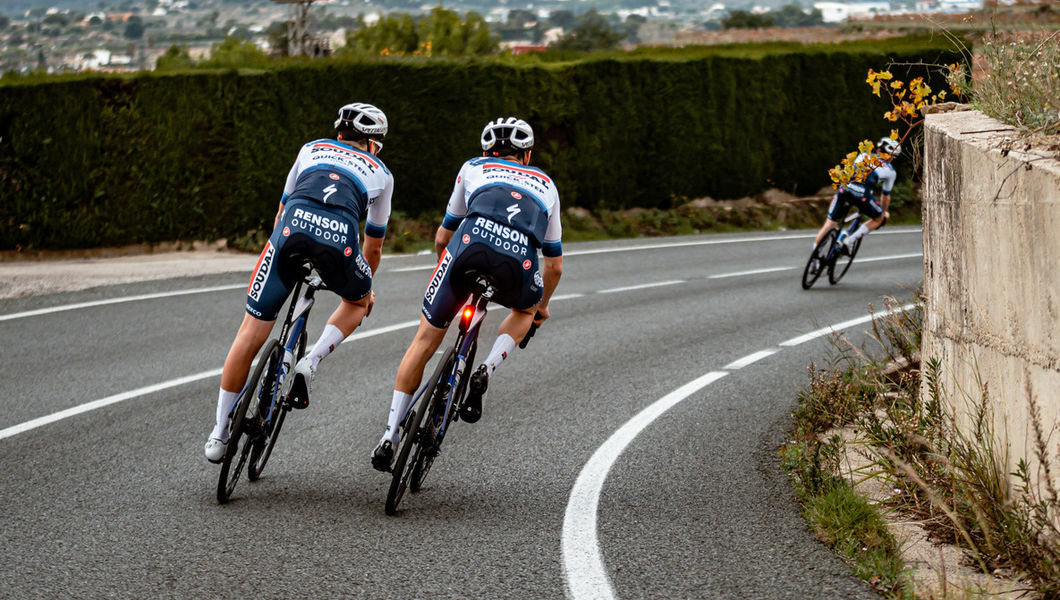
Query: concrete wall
(992, 276)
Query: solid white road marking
(54, 309)
(640, 287)
(894, 257)
(89, 406)
(586, 576)
(749, 359)
(583, 563)
(754, 272)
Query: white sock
(398, 405)
(859, 233)
(502, 347)
(225, 402)
(329, 339)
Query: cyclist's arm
(441, 238)
(279, 213)
(553, 271)
(373, 251)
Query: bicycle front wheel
(244, 431)
(818, 261)
(842, 263)
(271, 410)
(413, 440)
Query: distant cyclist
(331, 187)
(859, 193)
(501, 211)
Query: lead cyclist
(860, 194)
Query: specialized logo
(517, 195)
(328, 191)
(527, 264)
(261, 272)
(466, 239)
(348, 251)
(333, 176)
(513, 209)
(439, 274)
(286, 231)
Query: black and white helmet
(363, 118)
(506, 135)
(889, 146)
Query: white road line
(54, 309)
(418, 268)
(641, 286)
(744, 240)
(795, 341)
(893, 257)
(754, 272)
(749, 359)
(586, 575)
(83, 408)
(89, 406)
(583, 564)
(565, 297)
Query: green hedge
(92, 160)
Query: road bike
(258, 415)
(438, 403)
(830, 255)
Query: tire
(411, 439)
(244, 432)
(268, 396)
(431, 431)
(820, 252)
(842, 263)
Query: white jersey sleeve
(379, 209)
(456, 209)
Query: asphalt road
(119, 502)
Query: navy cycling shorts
(491, 248)
(325, 235)
(843, 200)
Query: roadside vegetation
(868, 447)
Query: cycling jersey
(331, 186)
(860, 193)
(501, 212)
(521, 197)
(337, 174)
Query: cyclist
(860, 193)
(332, 185)
(500, 212)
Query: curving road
(564, 488)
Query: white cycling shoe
(215, 450)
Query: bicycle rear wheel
(820, 253)
(268, 399)
(842, 262)
(244, 432)
(412, 438)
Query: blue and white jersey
(337, 174)
(523, 197)
(883, 175)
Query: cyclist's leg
(265, 295)
(836, 211)
(871, 208)
(513, 328)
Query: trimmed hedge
(91, 160)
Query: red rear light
(468, 312)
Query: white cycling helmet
(363, 118)
(889, 146)
(507, 134)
